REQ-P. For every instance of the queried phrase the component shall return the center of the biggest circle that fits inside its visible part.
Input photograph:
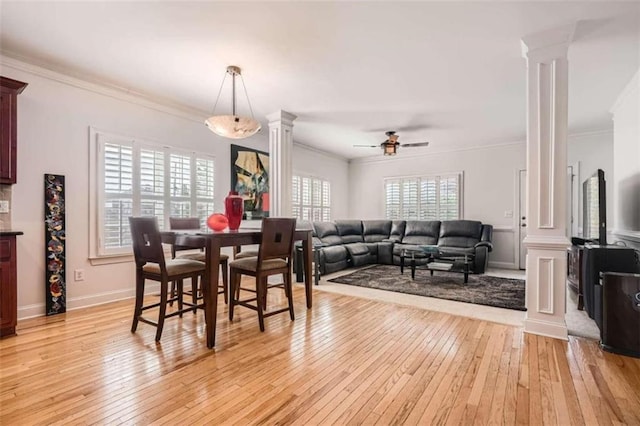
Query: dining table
(212, 243)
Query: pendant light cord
(219, 93)
(233, 100)
(247, 95)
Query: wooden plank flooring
(346, 361)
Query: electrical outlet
(508, 213)
(4, 206)
(78, 275)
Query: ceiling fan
(391, 145)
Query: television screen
(594, 224)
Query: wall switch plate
(508, 213)
(4, 206)
(78, 275)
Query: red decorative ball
(217, 222)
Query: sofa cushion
(421, 232)
(460, 233)
(350, 231)
(397, 230)
(376, 230)
(327, 233)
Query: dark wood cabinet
(8, 287)
(574, 273)
(9, 90)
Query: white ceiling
(447, 72)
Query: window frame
(459, 175)
(97, 194)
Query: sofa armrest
(486, 244)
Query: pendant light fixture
(233, 126)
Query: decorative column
(546, 240)
(280, 162)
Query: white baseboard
(39, 309)
(503, 265)
(546, 328)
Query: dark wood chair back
(147, 243)
(277, 238)
(184, 223)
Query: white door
(522, 218)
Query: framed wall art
(250, 178)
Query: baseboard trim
(546, 328)
(39, 309)
(503, 265)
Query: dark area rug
(481, 289)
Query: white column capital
(548, 44)
(281, 117)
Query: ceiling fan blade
(404, 145)
(366, 146)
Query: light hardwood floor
(346, 361)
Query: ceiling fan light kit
(233, 126)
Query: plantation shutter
(410, 199)
(204, 185)
(152, 174)
(449, 201)
(180, 185)
(392, 201)
(137, 178)
(295, 197)
(311, 198)
(424, 198)
(118, 194)
(326, 201)
(428, 199)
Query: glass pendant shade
(233, 126)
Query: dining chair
(151, 265)
(189, 244)
(274, 257)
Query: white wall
(626, 163)
(311, 162)
(54, 116)
(489, 181)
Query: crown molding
(105, 89)
(319, 151)
(595, 132)
(633, 85)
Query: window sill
(108, 260)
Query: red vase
(233, 209)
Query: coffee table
(435, 261)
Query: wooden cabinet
(9, 90)
(574, 273)
(8, 287)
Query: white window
(311, 198)
(424, 197)
(136, 178)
